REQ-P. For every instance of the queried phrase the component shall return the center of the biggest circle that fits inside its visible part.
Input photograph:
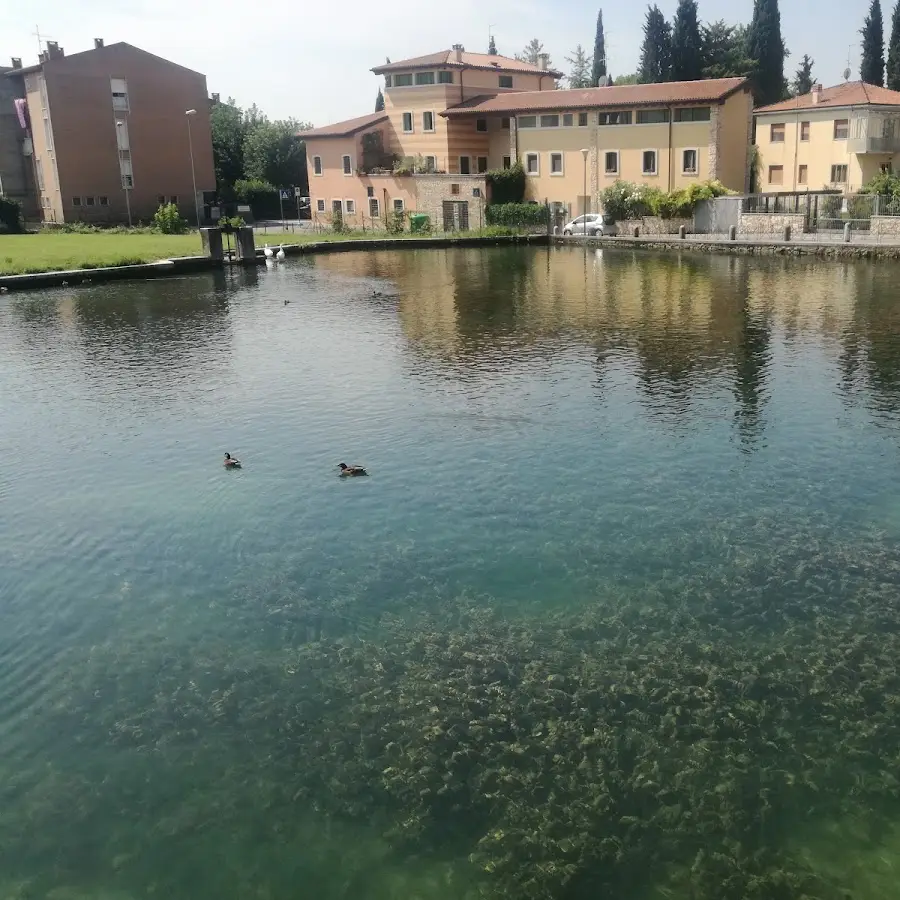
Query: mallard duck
(280, 254)
(231, 462)
(351, 471)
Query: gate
(717, 216)
(456, 215)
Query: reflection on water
(615, 611)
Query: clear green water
(696, 457)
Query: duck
(4, 290)
(231, 462)
(267, 252)
(351, 471)
(280, 254)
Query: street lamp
(189, 113)
(585, 153)
(125, 186)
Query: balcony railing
(874, 134)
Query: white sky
(310, 59)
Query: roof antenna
(848, 71)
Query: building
(452, 116)
(831, 138)
(16, 174)
(107, 135)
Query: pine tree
(492, 47)
(766, 46)
(580, 73)
(532, 53)
(803, 80)
(379, 101)
(893, 62)
(687, 53)
(599, 68)
(725, 51)
(872, 68)
(656, 51)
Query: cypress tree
(379, 101)
(766, 46)
(492, 47)
(687, 49)
(803, 80)
(872, 68)
(893, 62)
(599, 69)
(656, 51)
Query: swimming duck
(351, 471)
(231, 462)
(267, 252)
(280, 254)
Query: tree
(226, 122)
(872, 68)
(598, 70)
(724, 51)
(803, 80)
(633, 78)
(656, 51)
(379, 101)
(492, 46)
(687, 55)
(766, 46)
(580, 73)
(893, 61)
(273, 153)
(532, 53)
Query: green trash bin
(419, 222)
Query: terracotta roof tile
(345, 128)
(615, 96)
(469, 60)
(852, 93)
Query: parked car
(592, 224)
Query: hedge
(518, 215)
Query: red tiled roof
(852, 93)
(469, 60)
(615, 96)
(346, 128)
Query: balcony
(874, 134)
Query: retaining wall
(770, 223)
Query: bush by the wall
(10, 215)
(625, 200)
(167, 220)
(517, 215)
(396, 222)
(507, 185)
(885, 184)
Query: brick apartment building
(105, 130)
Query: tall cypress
(893, 61)
(492, 46)
(872, 68)
(379, 101)
(687, 48)
(599, 69)
(766, 46)
(656, 51)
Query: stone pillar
(715, 134)
(211, 241)
(245, 246)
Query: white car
(591, 225)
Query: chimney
(17, 62)
(816, 93)
(458, 52)
(215, 98)
(54, 51)
(98, 43)
(544, 61)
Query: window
(568, 120)
(430, 163)
(689, 162)
(776, 133)
(320, 206)
(76, 201)
(90, 201)
(317, 165)
(692, 114)
(373, 207)
(556, 164)
(445, 78)
(347, 164)
(482, 165)
(427, 121)
(648, 162)
(506, 81)
(104, 201)
(582, 120)
(336, 207)
(532, 164)
(370, 191)
(119, 89)
(652, 116)
(839, 174)
(611, 162)
(398, 204)
(160, 199)
(527, 121)
(350, 206)
(551, 121)
(424, 77)
(804, 131)
(841, 129)
(387, 81)
(407, 123)
(776, 174)
(615, 118)
(127, 181)
(454, 190)
(172, 199)
(802, 174)
(465, 167)
(504, 123)
(481, 124)
(40, 173)
(48, 134)
(403, 80)
(507, 162)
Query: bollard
(245, 246)
(847, 233)
(732, 233)
(682, 232)
(637, 230)
(211, 242)
(787, 232)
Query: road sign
(285, 195)
(298, 192)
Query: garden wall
(770, 223)
(654, 225)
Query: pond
(614, 613)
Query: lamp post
(125, 186)
(585, 153)
(190, 113)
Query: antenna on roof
(848, 71)
(37, 34)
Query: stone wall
(885, 226)
(770, 223)
(654, 225)
(433, 190)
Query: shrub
(10, 215)
(624, 200)
(337, 222)
(507, 185)
(885, 184)
(396, 222)
(167, 220)
(517, 215)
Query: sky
(310, 59)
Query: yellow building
(837, 137)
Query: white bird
(267, 252)
(280, 254)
